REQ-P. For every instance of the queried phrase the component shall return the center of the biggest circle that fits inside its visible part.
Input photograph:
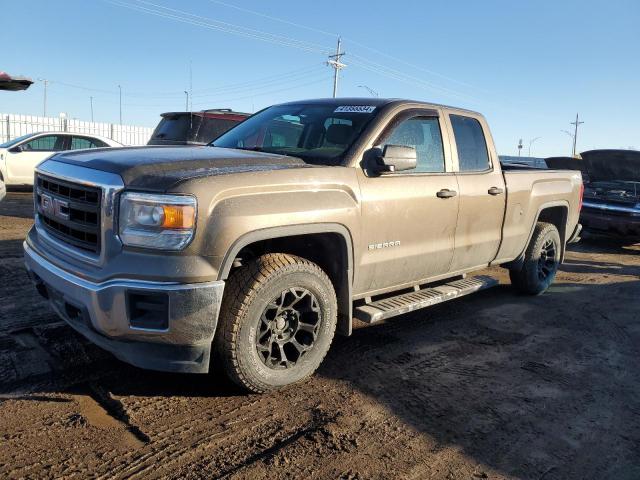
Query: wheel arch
(556, 213)
(329, 245)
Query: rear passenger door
(482, 192)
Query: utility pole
(575, 134)
(120, 90)
(519, 147)
(531, 143)
(46, 83)
(91, 102)
(335, 63)
(186, 105)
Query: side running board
(408, 302)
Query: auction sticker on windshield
(355, 109)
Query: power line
(347, 39)
(406, 78)
(275, 91)
(199, 20)
(279, 78)
(271, 17)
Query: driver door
(408, 224)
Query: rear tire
(541, 261)
(277, 321)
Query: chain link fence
(16, 125)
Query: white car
(19, 157)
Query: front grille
(69, 211)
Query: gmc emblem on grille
(54, 207)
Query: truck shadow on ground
(600, 268)
(529, 386)
(18, 203)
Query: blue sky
(529, 66)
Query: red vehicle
(194, 128)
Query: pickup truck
(248, 254)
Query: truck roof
(375, 102)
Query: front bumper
(619, 223)
(102, 313)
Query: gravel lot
(494, 385)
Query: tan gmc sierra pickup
(250, 253)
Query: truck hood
(608, 165)
(158, 168)
(566, 163)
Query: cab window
(471, 144)
(422, 133)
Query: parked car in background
(612, 194)
(194, 128)
(19, 157)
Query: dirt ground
(494, 385)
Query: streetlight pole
(570, 135)
(575, 134)
(186, 105)
(44, 106)
(370, 90)
(531, 142)
(91, 102)
(120, 90)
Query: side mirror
(16, 149)
(397, 158)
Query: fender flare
(345, 304)
(517, 262)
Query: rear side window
(212, 128)
(422, 133)
(471, 144)
(78, 143)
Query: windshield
(11, 143)
(318, 134)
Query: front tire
(541, 261)
(277, 321)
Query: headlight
(165, 222)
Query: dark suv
(194, 128)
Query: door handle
(446, 193)
(495, 191)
